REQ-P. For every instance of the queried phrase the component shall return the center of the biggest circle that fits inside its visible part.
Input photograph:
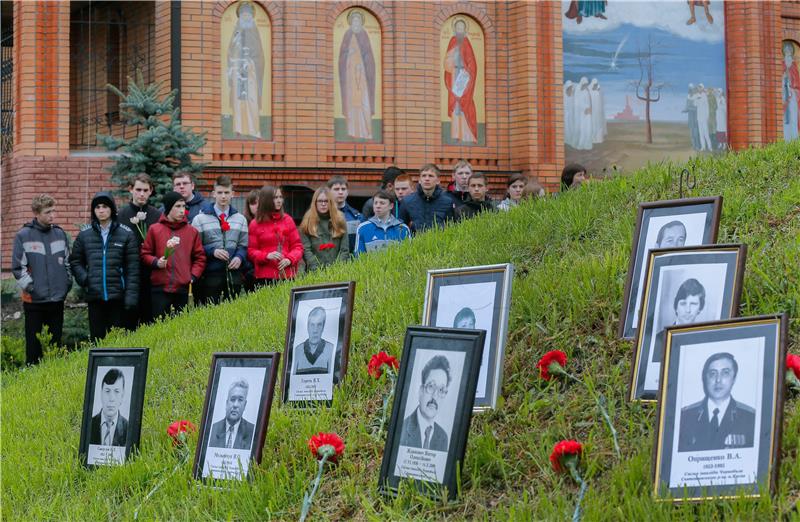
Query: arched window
(246, 79)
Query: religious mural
(246, 80)
(463, 112)
(790, 90)
(357, 83)
(643, 84)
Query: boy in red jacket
(174, 250)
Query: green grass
(571, 256)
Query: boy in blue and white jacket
(382, 229)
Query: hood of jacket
(437, 191)
(103, 197)
(391, 221)
(208, 208)
(197, 199)
(38, 226)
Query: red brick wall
(523, 95)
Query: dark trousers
(37, 315)
(105, 315)
(215, 286)
(164, 302)
(143, 313)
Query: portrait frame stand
(734, 453)
(427, 438)
(231, 378)
(119, 375)
(485, 302)
(659, 214)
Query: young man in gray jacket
(39, 264)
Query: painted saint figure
(580, 9)
(691, 111)
(460, 75)
(569, 113)
(246, 73)
(357, 78)
(791, 94)
(583, 116)
(699, 3)
(700, 99)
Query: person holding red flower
(173, 249)
(274, 244)
(323, 232)
(223, 232)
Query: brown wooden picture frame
(686, 256)
(269, 362)
(638, 257)
(343, 290)
(773, 380)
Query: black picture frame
(488, 308)
(650, 218)
(115, 384)
(308, 386)
(741, 457)
(433, 469)
(709, 278)
(222, 455)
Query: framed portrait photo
(112, 405)
(235, 414)
(721, 409)
(317, 342)
(434, 395)
(664, 224)
(477, 297)
(682, 286)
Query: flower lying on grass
(326, 447)
(178, 431)
(793, 371)
(566, 458)
(375, 368)
(553, 364)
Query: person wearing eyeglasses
(420, 429)
(718, 421)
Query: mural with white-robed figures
(643, 81)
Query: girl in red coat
(274, 245)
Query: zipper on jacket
(105, 248)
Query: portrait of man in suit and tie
(420, 429)
(109, 427)
(233, 431)
(718, 421)
(315, 355)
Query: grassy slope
(571, 256)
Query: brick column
(751, 28)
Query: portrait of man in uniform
(420, 429)
(718, 421)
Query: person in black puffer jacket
(429, 206)
(105, 262)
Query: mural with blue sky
(615, 43)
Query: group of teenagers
(139, 263)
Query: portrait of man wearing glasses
(420, 429)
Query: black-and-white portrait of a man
(420, 429)
(718, 421)
(234, 431)
(314, 355)
(110, 425)
(688, 303)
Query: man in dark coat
(718, 421)
(429, 206)
(419, 429)
(39, 264)
(105, 262)
(477, 202)
(233, 431)
(138, 215)
(183, 184)
(109, 427)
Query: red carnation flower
(326, 246)
(564, 450)
(793, 364)
(223, 223)
(550, 363)
(326, 444)
(186, 212)
(178, 430)
(376, 362)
